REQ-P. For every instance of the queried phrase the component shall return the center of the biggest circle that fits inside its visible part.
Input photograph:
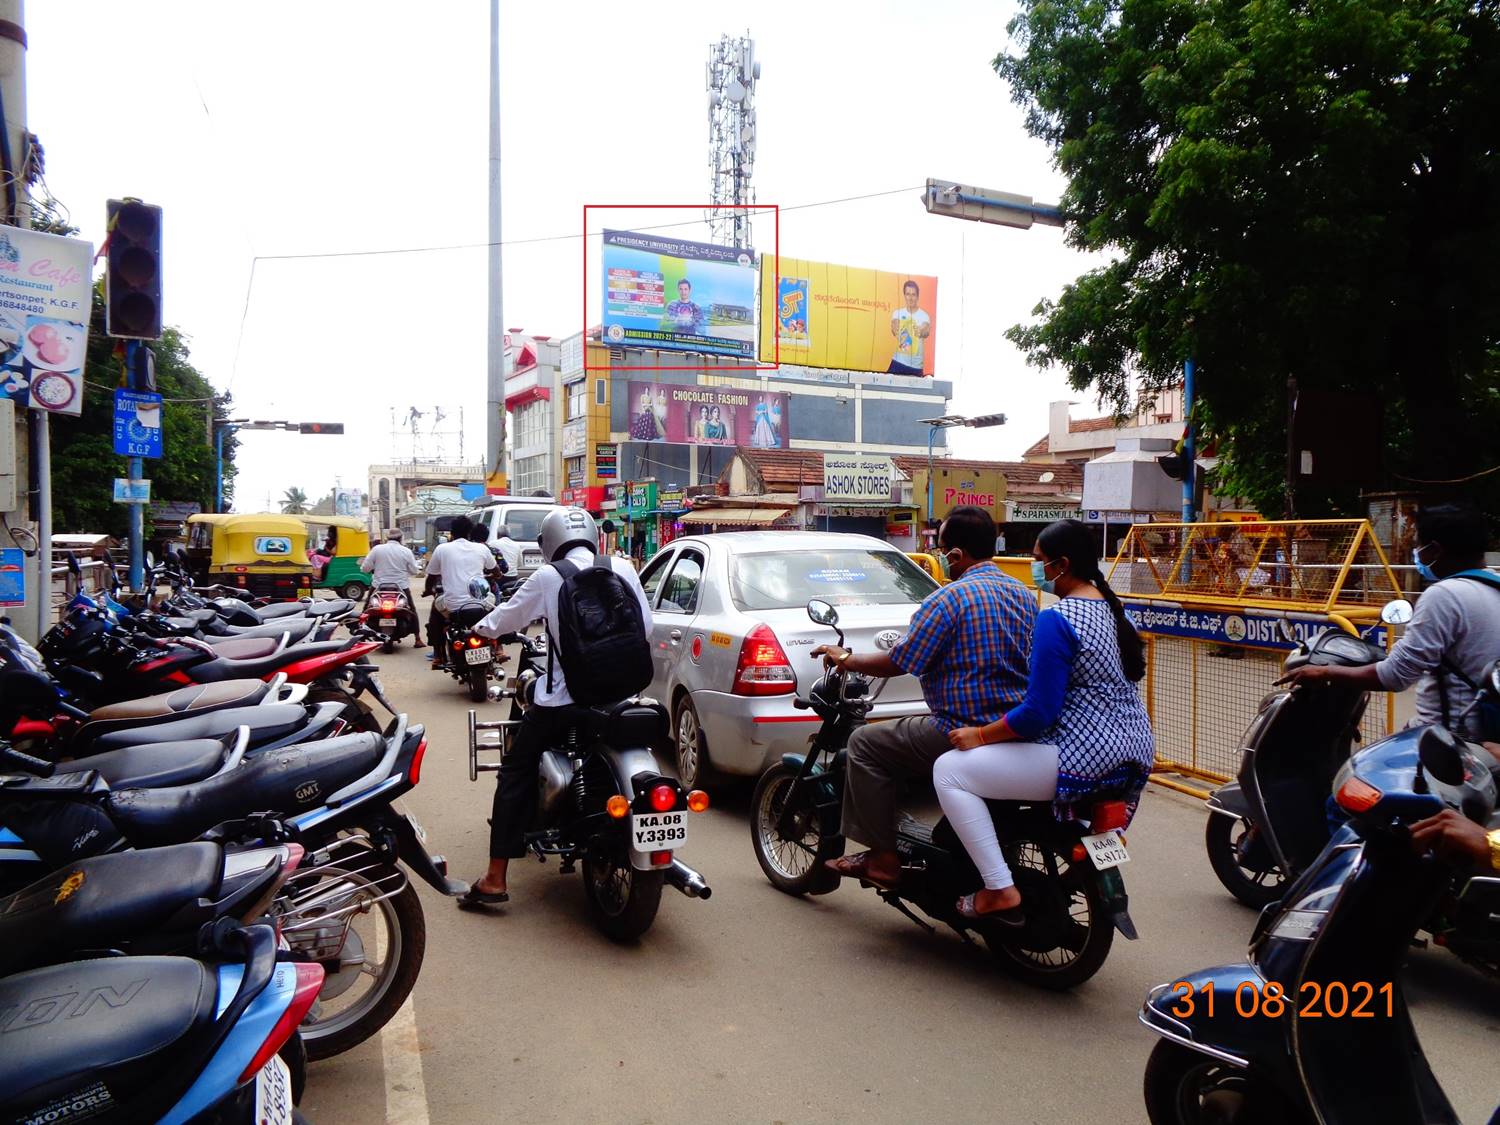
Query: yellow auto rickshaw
(264, 555)
(338, 543)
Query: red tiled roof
(1076, 426)
(785, 467)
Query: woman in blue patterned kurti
(1081, 728)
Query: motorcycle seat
(104, 902)
(318, 607)
(282, 609)
(631, 722)
(198, 699)
(228, 667)
(112, 1021)
(153, 766)
(467, 616)
(285, 782)
(247, 648)
(266, 722)
(294, 628)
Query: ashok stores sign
(856, 478)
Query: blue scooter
(1314, 1027)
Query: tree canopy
(1284, 189)
(83, 459)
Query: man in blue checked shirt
(969, 645)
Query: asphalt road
(758, 1007)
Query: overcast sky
(326, 126)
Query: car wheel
(690, 747)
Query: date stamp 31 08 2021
(1314, 1000)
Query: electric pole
(494, 446)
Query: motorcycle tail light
(414, 774)
(309, 984)
(663, 797)
(617, 806)
(1080, 853)
(661, 859)
(1107, 815)
(476, 641)
(698, 800)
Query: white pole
(495, 409)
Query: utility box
(7, 455)
(1130, 480)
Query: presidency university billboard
(677, 295)
(824, 315)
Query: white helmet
(564, 529)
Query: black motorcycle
(1314, 1026)
(603, 800)
(1067, 872)
(389, 617)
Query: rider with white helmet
(567, 534)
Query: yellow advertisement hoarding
(954, 488)
(822, 315)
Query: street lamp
(978, 422)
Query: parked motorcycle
(167, 1039)
(602, 800)
(390, 616)
(349, 907)
(1314, 1026)
(1067, 872)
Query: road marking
(401, 1053)
(405, 1090)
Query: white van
(521, 518)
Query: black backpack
(601, 641)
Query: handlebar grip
(37, 767)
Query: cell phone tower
(732, 74)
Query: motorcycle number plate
(1106, 850)
(387, 622)
(654, 832)
(273, 1093)
(477, 655)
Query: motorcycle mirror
(1288, 634)
(150, 560)
(1441, 756)
(822, 613)
(1398, 612)
(1495, 679)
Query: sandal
(858, 867)
(475, 897)
(1013, 916)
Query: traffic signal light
(320, 427)
(132, 276)
(980, 421)
(1174, 465)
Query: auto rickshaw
(343, 541)
(265, 555)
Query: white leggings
(1003, 771)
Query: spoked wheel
(792, 862)
(356, 712)
(1224, 837)
(1067, 934)
(362, 921)
(1183, 1087)
(622, 901)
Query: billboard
(679, 296)
(45, 306)
(823, 315)
(351, 502)
(694, 415)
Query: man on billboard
(684, 314)
(911, 326)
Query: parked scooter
(603, 800)
(1315, 1027)
(166, 1039)
(1267, 827)
(1068, 873)
(389, 616)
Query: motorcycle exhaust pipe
(686, 880)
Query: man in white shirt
(454, 565)
(570, 535)
(911, 326)
(392, 564)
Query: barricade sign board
(1230, 627)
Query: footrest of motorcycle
(914, 829)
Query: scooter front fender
(1229, 800)
(1199, 1012)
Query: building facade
(394, 487)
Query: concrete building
(1075, 441)
(534, 406)
(393, 487)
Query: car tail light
(309, 984)
(1357, 796)
(763, 668)
(663, 797)
(414, 774)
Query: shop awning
(734, 515)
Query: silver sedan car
(732, 641)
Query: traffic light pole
(135, 472)
(236, 424)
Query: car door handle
(675, 635)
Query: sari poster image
(691, 415)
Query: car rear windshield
(524, 524)
(843, 576)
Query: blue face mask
(1039, 576)
(1422, 568)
